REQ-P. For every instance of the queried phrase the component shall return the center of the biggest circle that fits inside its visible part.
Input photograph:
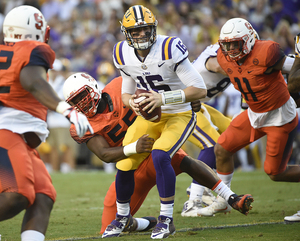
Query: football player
(210, 124)
(255, 68)
(206, 135)
(159, 64)
(25, 96)
(110, 120)
(294, 87)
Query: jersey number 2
(5, 59)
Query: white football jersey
(215, 82)
(157, 71)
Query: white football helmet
(25, 23)
(237, 38)
(82, 91)
(135, 17)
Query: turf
(77, 212)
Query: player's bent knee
(16, 199)
(220, 151)
(275, 178)
(44, 201)
(14, 203)
(272, 173)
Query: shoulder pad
(118, 54)
(166, 48)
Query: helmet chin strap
(141, 46)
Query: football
(155, 115)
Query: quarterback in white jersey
(165, 68)
(159, 64)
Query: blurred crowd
(83, 32)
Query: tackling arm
(34, 80)
(100, 147)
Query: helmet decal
(29, 24)
(237, 38)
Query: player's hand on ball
(149, 104)
(134, 106)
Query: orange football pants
(145, 179)
(21, 169)
(240, 133)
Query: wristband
(173, 97)
(130, 149)
(288, 63)
(62, 106)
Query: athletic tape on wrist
(62, 106)
(173, 97)
(130, 149)
(288, 63)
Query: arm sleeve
(274, 55)
(42, 56)
(128, 84)
(189, 75)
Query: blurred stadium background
(83, 33)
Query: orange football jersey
(112, 125)
(14, 57)
(263, 92)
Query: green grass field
(77, 212)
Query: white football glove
(297, 45)
(79, 120)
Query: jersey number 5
(112, 133)
(151, 79)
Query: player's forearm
(34, 80)
(110, 154)
(100, 147)
(46, 95)
(125, 98)
(212, 64)
(194, 93)
(294, 77)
